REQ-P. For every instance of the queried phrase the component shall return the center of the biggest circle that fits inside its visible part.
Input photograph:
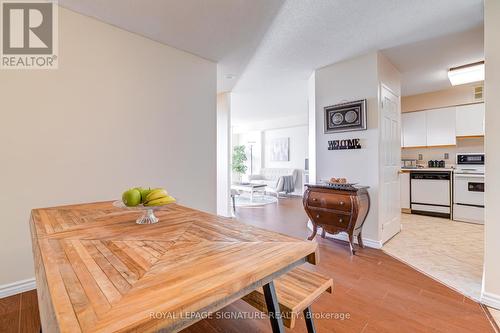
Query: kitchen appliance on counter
(468, 196)
(430, 193)
(436, 164)
(408, 163)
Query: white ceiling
(274, 45)
(224, 31)
(424, 64)
(306, 35)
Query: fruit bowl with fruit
(147, 200)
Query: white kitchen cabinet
(414, 127)
(404, 183)
(441, 127)
(470, 120)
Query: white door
(390, 134)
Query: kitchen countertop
(427, 169)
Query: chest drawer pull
(341, 220)
(342, 203)
(317, 216)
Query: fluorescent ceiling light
(466, 74)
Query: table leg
(251, 195)
(273, 308)
(308, 316)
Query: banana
(161, 201)
(156, 194)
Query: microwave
(470, 159)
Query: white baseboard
(17, 287)
(491, 300)
(374, 244)
(366, 241)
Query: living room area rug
(243, 200)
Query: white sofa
(273, 178)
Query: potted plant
(239, 159)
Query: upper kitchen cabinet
(441, 127)
(470, 120)
(414, 129)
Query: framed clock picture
(345, 117)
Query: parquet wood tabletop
(98, 271)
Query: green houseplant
(239, 159)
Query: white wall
(341, 82)
(224, 154)
(491, 278)
(120, 111)
(262, 141)
(274, 100)
(311, 101)
(353, 79)
(297, 143)
(254, 139)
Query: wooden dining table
(99, 271)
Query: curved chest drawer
(330, 201)
(326, 217)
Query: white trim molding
(17, 287)
(374, 244)
(491, 300)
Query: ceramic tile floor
(449, 251)
(495, 314)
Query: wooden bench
(296, 291)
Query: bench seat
(295, 291)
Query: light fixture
(466, 73)
(230, 76)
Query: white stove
(468, 193)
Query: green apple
(144, 193)
(131, 197)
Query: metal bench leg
(273, 308)
(309, 320)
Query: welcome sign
(344, 144)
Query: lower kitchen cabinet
(404, 182)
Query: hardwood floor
(378, 292)
(373, 292)
(19, 313)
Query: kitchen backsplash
(466, 145)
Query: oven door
(469, 190)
